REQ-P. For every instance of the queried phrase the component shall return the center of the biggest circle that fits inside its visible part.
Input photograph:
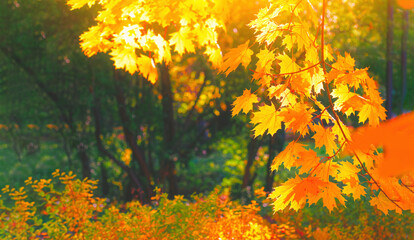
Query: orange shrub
(65, 208)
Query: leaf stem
(331, 103)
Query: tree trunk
(169, 129)
(404, 57)
(389, 80)
(106, 153)
(252, 148)
(129, 136)
(86, 167)
(104, 180)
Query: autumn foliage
(65, 208)
(301, 83)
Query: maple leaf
(286, 98)
(317, 81)
(244, 102)
(406, 4)
(287, 65)
(356, 190)
(383, 203)
(354, 78)
(267, 118)
(298, 118)
(242, 54)
(80, 3)
(265, 57)
(324, 170)
(299, 35)
(397, 138)
(346, 63)
(309, 186)
(300, 84)
(343, 94)
(288, 156)
(147, 68)
(125, 58)
(280, 195)
(312, 55)
(264, 66)
(214, 56)
(94, 41)
(347, 172)
(182, 41)
(307, 161)
(325, 137)
(331, 192)
(373, 112)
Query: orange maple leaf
(242, 54)
(325, 137)
(406, 4)
(396, 136)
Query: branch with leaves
(322, 85)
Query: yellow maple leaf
(267, 118)
(214, 56)
(354, 78)
(373, 112)
(242, 54)
(312, 55)
(347, 171)
(357, 190)
(80, 3)
(288, 156)
(325, 137)
(287, 65)
(265, 57)
(244, 102)
(182, 41)
(124, 57)
(317, 80)
(326, 170)
(147, 68)
(342, 94)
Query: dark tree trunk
(108, 154)
(404, 38)
(169, 129)
(252, 148)
(389, 80)
(129, 136)
(276, 145)
(104, 180)
(86, 167)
